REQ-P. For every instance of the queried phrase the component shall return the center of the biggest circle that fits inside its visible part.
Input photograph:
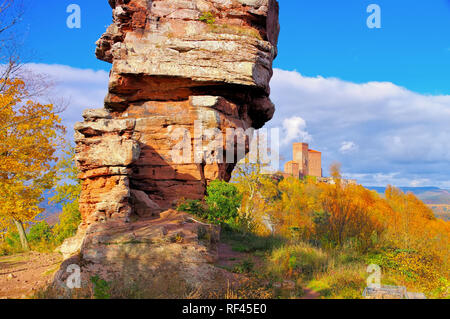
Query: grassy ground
(266, 267)
(293, 269)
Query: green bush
(68, 224)
(12, 239)
(101, 288)
(207, 17)
(43, 237)
(11, 244)
(194, 207)
(346, 281)
(223, 201)
(4, 251)
(40, 233)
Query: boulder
(72, 246)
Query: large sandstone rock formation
(174, 62)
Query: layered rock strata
(174, 63)
(186, 74)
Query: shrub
(223, 201)
(207, 17)
(346, 282)
(5, 250)
(413, 268)
(40, 233)
(101, 288)
(12, 239)
(194, 207)
(68, 224)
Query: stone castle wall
(315, 163)
(305, 162)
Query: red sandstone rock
(169, 69)
(170, 245)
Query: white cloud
(348, 147)
(402, 137)
(419, 182)
(80, 88)
(399, 134)
(294, 129)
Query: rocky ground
(169, 256)
(23, 274)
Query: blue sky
(322, 37)
(325, 50)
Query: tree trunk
(22, 234)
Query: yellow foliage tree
(259, 191)
(296, 207)
(29, 136)
(399, 232)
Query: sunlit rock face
(174, 63)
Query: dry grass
(298, 260)
(341, 282)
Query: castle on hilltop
(306, 162)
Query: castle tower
(306, 162)
(315, 163)
(301, 156)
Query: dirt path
(21, 275)
(228, 257)
(310, 294)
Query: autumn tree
(29, 136)
(11, 12)
(350, 211)
(258, 191)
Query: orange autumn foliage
(397, 225)
(30, 133)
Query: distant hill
(414, 190)
(438, 199)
